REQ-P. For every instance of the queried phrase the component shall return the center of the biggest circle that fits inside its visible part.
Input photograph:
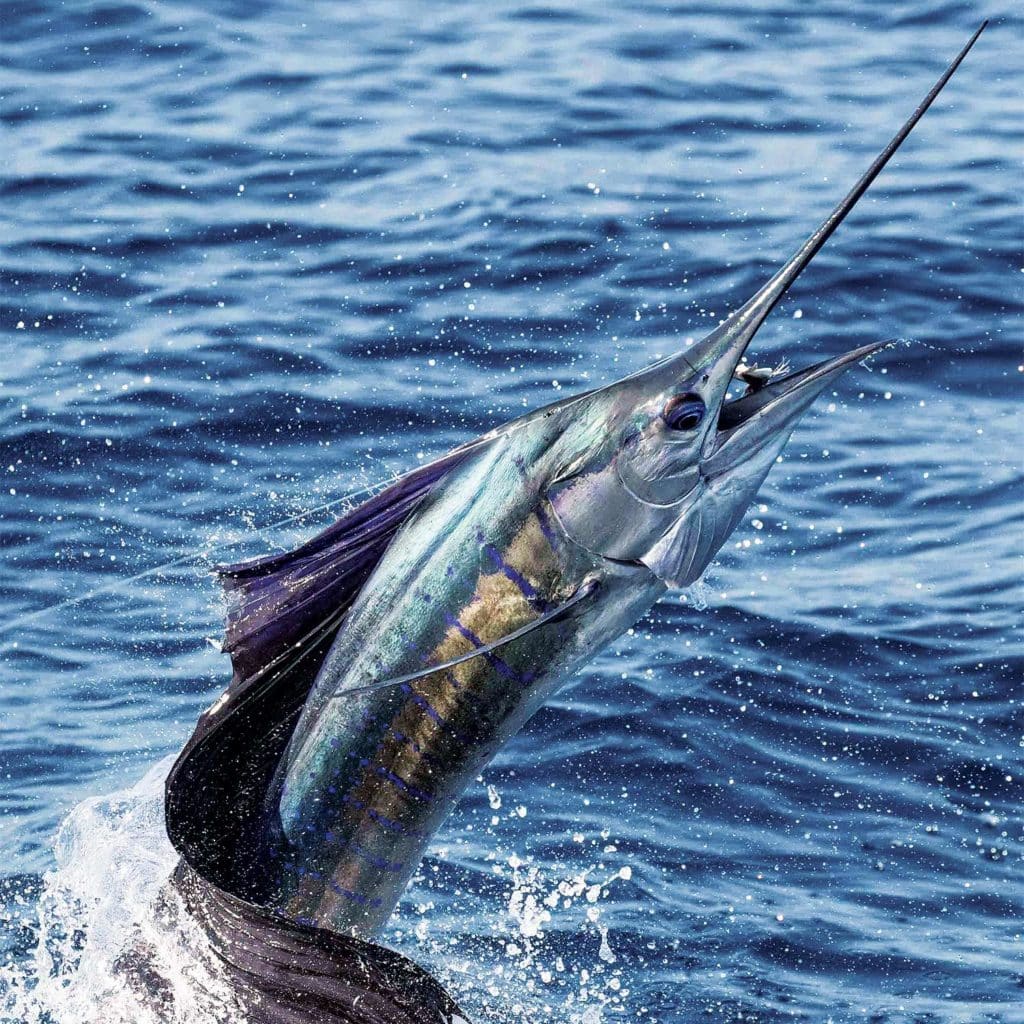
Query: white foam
(107, 899)
(104, 900)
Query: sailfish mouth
(780, 395)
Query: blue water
(258, 256)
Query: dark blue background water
(258, 255)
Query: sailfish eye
(683, 412)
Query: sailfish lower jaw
(762, 419)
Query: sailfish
(379, 666)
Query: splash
(113, 943)
(533, 902)
(544, 953)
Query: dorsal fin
(284, 611)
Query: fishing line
(119, 584)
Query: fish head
(658, 469)
(666, 462)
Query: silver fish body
(369, 776)
(625, 490)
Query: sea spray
(107, 924)
(541, 950)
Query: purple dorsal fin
(284, 611)
(280, 604)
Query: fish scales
(395, 782)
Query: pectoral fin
(585, 590)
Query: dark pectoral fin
(283, 614)
(585, 590)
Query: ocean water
(257, 257)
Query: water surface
(258, 256)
